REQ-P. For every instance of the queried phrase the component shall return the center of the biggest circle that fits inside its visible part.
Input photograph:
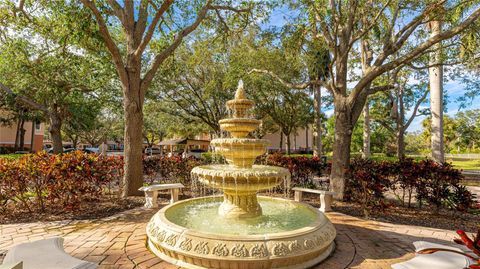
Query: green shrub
(169, 169)
(37, 181)
(429, 182)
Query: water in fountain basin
(202, 215)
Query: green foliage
(302, 169)
(193, 84)
(461, 132)
(11, 156)
(162, 169)
(430, 182)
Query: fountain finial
(240, 93)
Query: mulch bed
(103, 207)
(426, 216)
(444, 219)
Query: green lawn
(465, 164)
(11, 156)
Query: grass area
(11, 156)
(465, 164)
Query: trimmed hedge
(426, 181)
(37, 181)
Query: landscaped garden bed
(83, 186)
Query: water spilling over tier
(240, 230)
(240, 180)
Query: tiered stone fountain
(240, 230)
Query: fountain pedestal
(240, 205)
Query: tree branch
(372, 24)
(111, 46)
(24, 99)
(415, 110)
(417, 51)
(298, 86)
(147, 79)
(373, 90)
(236, 10)
(151, 28)
(117, 10)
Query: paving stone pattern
(119, 241)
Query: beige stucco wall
(8, 132)
(302, 139)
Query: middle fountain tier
(240, 179)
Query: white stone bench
(151, 193)
(13, 265)
(326, 197)
(45, 254)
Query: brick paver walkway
(119, 241)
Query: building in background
(33, 135)
(301, 141)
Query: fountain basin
(288, 235)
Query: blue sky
(453, 89)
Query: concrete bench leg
(325, 202)
(173, 195)
(151, 199)
(298, 196)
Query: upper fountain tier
(239, 150)
(240, 125)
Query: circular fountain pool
(287, 235)
(278, 216)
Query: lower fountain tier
(240, 186)
(289, 235)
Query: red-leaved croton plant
(472, 244)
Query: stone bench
(326, 197)
(151, 193)
(13, 265)
(44, 254)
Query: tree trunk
(133, 139)
(366, 132)
(32, 136)
(281, 142)
(341, 147)
(75, 141)
(55, 133)
(401, 127)
(436, 96)
(306, 138)
(401, 144)
(22, 134)
(317, 127)
(289, 143)
(295, 141)
(17, 135)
